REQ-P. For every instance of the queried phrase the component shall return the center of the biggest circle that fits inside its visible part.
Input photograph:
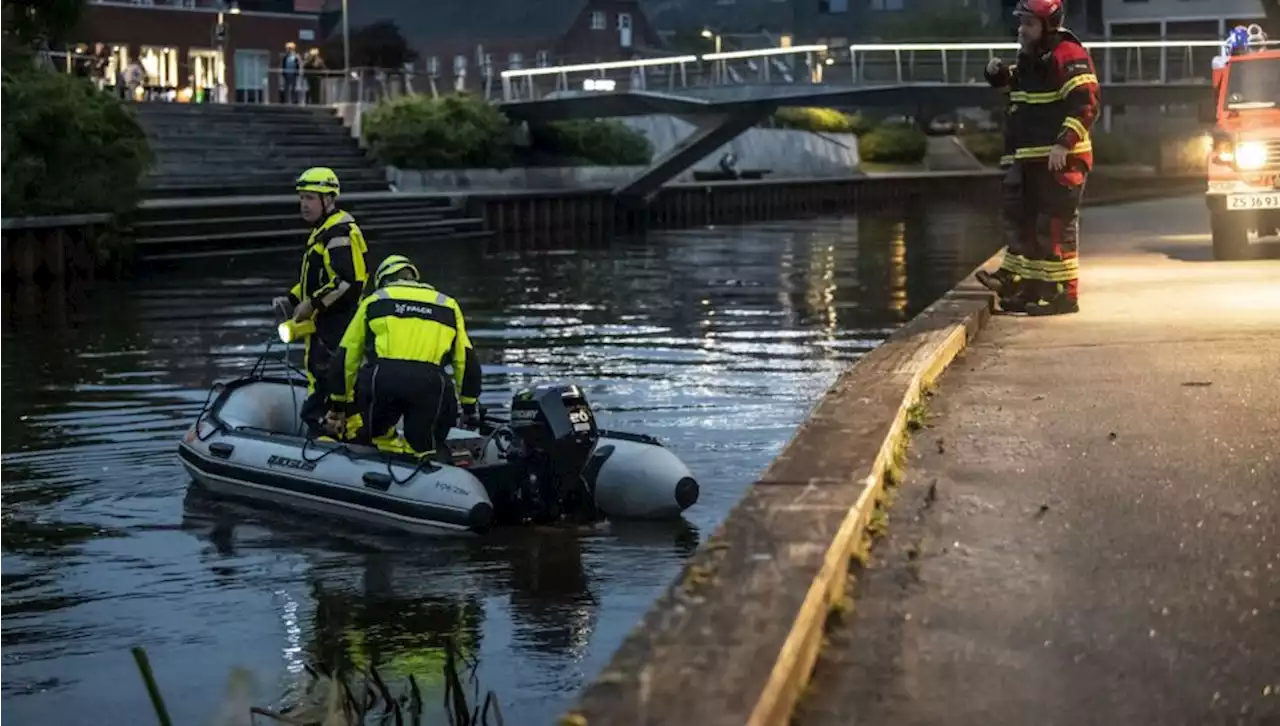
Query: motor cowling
(555, 434)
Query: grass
(354, 699)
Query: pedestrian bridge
(1140, 73)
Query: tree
(29, 21)
(377, 45)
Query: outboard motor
(554, 435)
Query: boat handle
(221, 450)
(376, 480)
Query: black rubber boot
(1015, 304)
(1001, 282)
(1059, 305)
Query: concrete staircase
(222, 183)
(173, 229)
(247, 149)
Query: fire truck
(1243, 163)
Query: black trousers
(316, 359)
(1042, 223)
(421, 393)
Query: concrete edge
(962, 312)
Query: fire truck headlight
(1251, 155)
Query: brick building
(463, 43)
(189, 47)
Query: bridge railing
(798, 64)
(1117, 61)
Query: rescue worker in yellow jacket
(392, 363)
(330, 284)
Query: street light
(346, 43)
(719, 67)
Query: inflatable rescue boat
(548, 462)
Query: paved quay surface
(1089, 530)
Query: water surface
(718, 341)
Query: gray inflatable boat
(548, 462)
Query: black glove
(470, 416)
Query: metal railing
(763, 65)
(1118, 61)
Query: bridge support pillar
(711, 133)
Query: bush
(457, 131)
(893, 144)
(988, 147)
(592, 141)
(822, 120)
(1124, 149)
(67, 147)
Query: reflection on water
(718, 341)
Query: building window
(160, 65)
(433, 66)
(837, 6)
(598, 20)
(515, 61)
(208, 71)
(252, 75)
(544, 59)
(886, 4)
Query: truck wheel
(1230, 237)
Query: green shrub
(1124, 148)
(894, 144)
(822, 120)
(987, 147)
(457, 131)
(67, 147)
(592, 141)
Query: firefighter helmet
(318, 179)
(392, 265)
(1050, 11)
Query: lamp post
(719, 64)
(346, 43)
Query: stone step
(284, 176)
(242, 188)
(159, 228)
(291, 234)
(212, 134)
(236, 169)
(222, 149)
(239, 118)
(236, 110)
(159, 255)
(281, 204)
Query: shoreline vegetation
(334, 697)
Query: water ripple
(718, 341)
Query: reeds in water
(356, 699)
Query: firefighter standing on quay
(1053, 101)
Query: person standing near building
(290, 69)
(314, 68)
(1054, 98)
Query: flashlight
(290, 330)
